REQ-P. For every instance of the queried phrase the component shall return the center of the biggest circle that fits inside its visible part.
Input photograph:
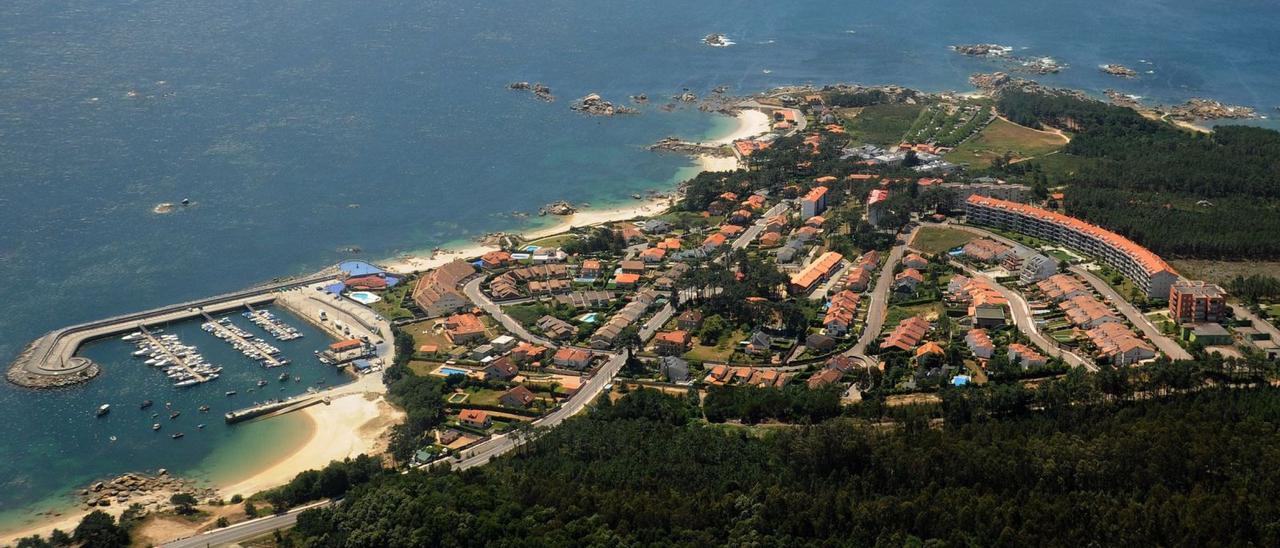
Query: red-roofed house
(475, 417)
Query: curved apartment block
(1146, 269)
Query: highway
(244, 530)
(1135, 316)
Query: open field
(1220, 272)
(940, 240)
(896, 314)
(880, 124)
(1003, 136)
(718, 353)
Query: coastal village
(843, 258)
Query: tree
(183, 503)
(222, 522)
(250, 509)
(60, 538)
(99, 530)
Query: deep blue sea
(301, 128)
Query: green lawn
(556, 240)
(880, 124)
(1001, 137)
(940, 240)
(390, 305)
(722, 351)
(527, 314)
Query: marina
(271, 324)
(181, 363)
(243, 341)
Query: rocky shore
(1208, 109)
(680, 146)
(141, 488)
(1032, 65)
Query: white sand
(349, 426)
(750, 124)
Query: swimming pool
(364, 297)
(447, 371)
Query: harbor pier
(50, 360)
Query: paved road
(879, 302)
(1025, 321)
(655, 323)
(472, 290)
(496, 446)
(1135, 316)
(243, 531)
(757, 227)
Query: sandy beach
(349, 426)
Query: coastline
(359, 422)
(748, 123)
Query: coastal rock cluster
(540, 92)
(680, 146)
(133, 487)
(559, 207)
(1032, 65)
(1208, 109)
(594, 105)
(1119, 70)
(717, 40)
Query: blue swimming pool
(447, 371)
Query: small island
(1119, 70)
(717, 40)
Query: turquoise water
(301, 129)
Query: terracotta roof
(816, 193)
(1149, 261)
(820, 268)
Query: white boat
(132, 336)
(186, 383)
(103, 410)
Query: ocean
(301, 130)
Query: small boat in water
(204, 409)
(284, 377)
(262, 383)
(200, 426)
(176, 436)
(231, 392)
(113, 439)
(155, 426)
(174, 415)
(103, 410)
(146, 404)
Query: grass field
(939, 240)
(556, 240)
(720, 352)
(1002, 136)
(880, 124)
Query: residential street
(1135, 316)
(472, 290)
(1025, 321)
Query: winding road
(1135, 316)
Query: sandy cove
(348, 426)
(750, 123)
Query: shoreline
(749, 123)
(359, 422)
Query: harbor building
(1147, 270)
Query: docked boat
(146, 404)
(262, 383)
(176, 436)
(103, 410)
(132, 336)
(186, 383)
